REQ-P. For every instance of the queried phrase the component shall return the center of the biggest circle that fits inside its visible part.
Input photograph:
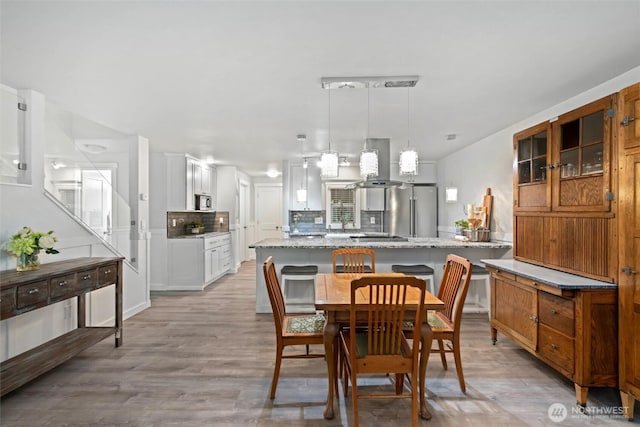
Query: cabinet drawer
(210, 243)
(32, 294)
(556, 347)
(87, 279)
(7, 302)
(107, 275)
(62, 285)
(557, 313)
(505, 275)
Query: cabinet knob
(86, 277)
(107, 271)
(63, 283)
(554, 311)
(33, 291)
(554, 346)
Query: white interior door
(97, 201)
(243, 235)
(268, 205)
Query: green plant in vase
(26, 245)
(461, 224)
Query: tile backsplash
(178, 221)
(306, 221)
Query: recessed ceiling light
(272, 173)
(93, 148)
(451, 136)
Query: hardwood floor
(206, 358)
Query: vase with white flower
(26, 245)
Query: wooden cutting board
(487, 204)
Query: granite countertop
(312, 242)
(557, 279)
(201, 236)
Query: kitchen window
(343, 208)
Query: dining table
(333, 296)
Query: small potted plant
(461, 225)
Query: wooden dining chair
(290, 330)
(354, 260)
(445, 324)
(382, 346)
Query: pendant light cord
(408, 118)
(329, 118)
(368, 115)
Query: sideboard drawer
(556, 347)
(87, 279)
(108, 274)
(62, 285)
(7, 302)
(557, 313)
(32, 294)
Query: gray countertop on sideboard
(417, 242)
(547, 276)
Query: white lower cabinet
(195, 263)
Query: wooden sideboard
(22, 292)
(567, 321)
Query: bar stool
(480, 273)
(420, 270)
(302, 300)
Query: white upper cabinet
(309, 179)
(372, 199)
(427, 173)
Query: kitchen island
(317, 251)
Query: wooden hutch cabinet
(576, 206)
(563, 214)
(628, 129)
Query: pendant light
(409, 156)
(368, 158)
(329, 159)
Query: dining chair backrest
(275, 292)
(454, 286)
(354, 260)
(385, 313)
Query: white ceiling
(239, 80)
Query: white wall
(489, 163)
(28, 206)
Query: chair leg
(354, 400)
(443, 356)
(276, 371)
(458, 360)
(399, 383)
(415, 408)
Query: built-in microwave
(204, 202)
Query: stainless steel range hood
(383, 179)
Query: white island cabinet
(195, 262)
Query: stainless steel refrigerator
(411, 211)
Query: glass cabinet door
(582, 140)
(532, 164)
